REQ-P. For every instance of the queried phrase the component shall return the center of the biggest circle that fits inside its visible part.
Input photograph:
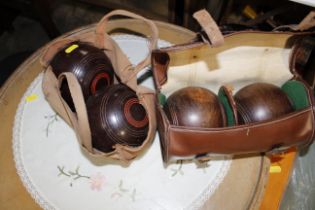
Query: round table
(246, 178)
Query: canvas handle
(153, 37)
(81, 123)
(214, 35)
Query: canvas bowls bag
(124, 71)
(224, 65)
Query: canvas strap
(102, 40)
(78, 120)
(81, 122)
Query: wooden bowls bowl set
(193, 121)
(114, 112)
(117, 117)
(199, 107)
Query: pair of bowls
(200, 107)
(114, 112)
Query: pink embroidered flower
(97, 181)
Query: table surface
(13, 195)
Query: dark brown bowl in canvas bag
(125, 73)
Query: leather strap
(307, 23)
(302, 60)
(214, 35)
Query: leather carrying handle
(100, 34)
(214, 35)
(307, 23)
(301, 60)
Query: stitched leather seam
(240, 127)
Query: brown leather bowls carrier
(244, 58)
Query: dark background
(26, 25)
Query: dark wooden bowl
(261, 101)
(89, 64)
(117, 117)
(195, 107)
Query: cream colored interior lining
(241, 61)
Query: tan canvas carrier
(125, 72)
